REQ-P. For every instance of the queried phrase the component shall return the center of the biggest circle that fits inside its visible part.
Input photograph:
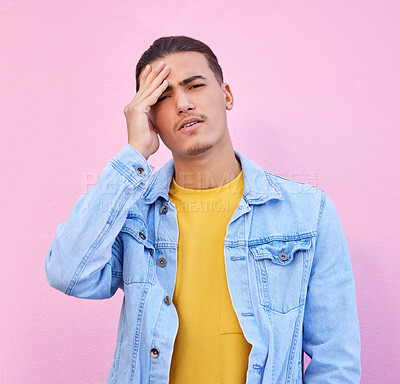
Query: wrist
(140, 149)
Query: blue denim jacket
(287, 263)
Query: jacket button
(140, 171)
(142, 235)
(154, 352)
(162, 262)
(283, 256)
(163, 210)
(167, 299)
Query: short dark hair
(173, 44)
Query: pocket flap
(137, 229)
(280, 251)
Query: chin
(198, 148)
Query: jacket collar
(258, 184)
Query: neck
(211, 169)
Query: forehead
(185, 64)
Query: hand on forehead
(154, 65)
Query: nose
(183, 104)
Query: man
(229, 272)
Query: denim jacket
(287, 265)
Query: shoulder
(302, 202)
(306, 199)
(292, 189)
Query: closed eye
(193, 86)
(161, 99)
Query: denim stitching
(126, 172)
(295, 335)
(293, 347)
(116, 364)
(152, 341)
(138, 330)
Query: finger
(143, 75)
(157, 81)
(156, 69)
(153, 97)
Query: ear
(228, 96)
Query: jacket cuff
(131, 164)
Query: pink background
(316, 86)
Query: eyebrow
(186, 81)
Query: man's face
(202, 98)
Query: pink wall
(316, 86)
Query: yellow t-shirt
(210, 346)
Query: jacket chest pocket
(138, 253)
(280, 267)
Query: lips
(191, 128)
(187, 121)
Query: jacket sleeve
(85, 258)
(331, 335)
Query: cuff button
(140, 171)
